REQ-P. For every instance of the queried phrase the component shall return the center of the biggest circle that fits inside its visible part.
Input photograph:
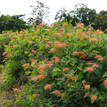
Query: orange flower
(21, 32)
(61, 29)
(43, 66)
(64, 25)
(41, 71)
(105, 83)
(83, 55)
(66, 69)
(26, 35)
(34, 61)
(56, 43)
(81, 25)
(41, 76)
(58, 34)
(62, 95)
(93, 98)
(10, 54)
(50, 62)
(33, 51)
(25, 65)
(4, 53)
(98, 32)
(16, 90)
(59, 44)
(87, 87)
(89, 63)
(89, 69)
(35, 78)
(52, 50)
(75, 53)
(87, 32)
(49, 65)
(62, 79)
(47, 86)
(84, 81)
(83, 36)
(31, 42)
(47, 46)
(56, 92)
(95, 66)
(94, 41)
(99, 57)
(68, 34)
(69, 76)
(56, 59)
(35, 95)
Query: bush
(59, 66)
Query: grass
(7, 98)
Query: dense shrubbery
(58, 66)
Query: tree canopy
(39, 13)
(12, 23)
(85, 15)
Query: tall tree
(63, 15)
(14, 23)
(39, 13)
(84, 14)
(80, 14)
(100, 21)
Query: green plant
(58, 65)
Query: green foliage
(100, 21)
(14, 23)
(82, 14)
(58, 65)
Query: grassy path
(6, 98)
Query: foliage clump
(58, 65)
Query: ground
(6, 97)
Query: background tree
(84, 14)
(63, 15)
(39, 13)
(100, 21)
(14, 23)
(80, 14)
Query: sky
(15, 7)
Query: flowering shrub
(59, 65)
